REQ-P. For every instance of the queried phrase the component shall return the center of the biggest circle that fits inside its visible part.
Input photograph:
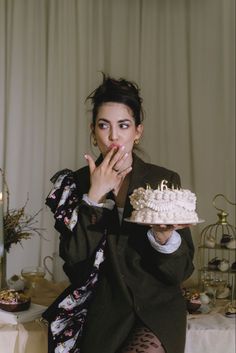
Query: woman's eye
(124, 126)
(103, 126)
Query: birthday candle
(1, 226)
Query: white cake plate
(167, 223)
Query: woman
(126, 277)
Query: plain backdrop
(180, 52)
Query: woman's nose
(113, 134)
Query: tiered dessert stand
(217, 255)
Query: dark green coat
(135, 280)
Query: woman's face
(115, 126)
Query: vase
(3, 267)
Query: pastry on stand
(230, 311)
(12, 300)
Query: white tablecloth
(206, 333)
(210, 333)
(23, 338)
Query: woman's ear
(92, 134)
(139, 131)
(92, 128)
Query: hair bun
(119, 91)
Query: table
(206, 333)
(30, 337)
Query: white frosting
(163, 205)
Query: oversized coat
(135, 281)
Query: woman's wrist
(95, 197)
(162, 237)
(160, 241)
(108, 203)
(171, 245)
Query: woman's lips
(114, 145)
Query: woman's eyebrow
(124, 120)
(102, 119)
(119, 121)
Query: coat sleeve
(176, 267)
(171, 269)
(81, 226)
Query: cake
(231, 244)
(12, 300)
(193, 302)
(226, 238)
(230, 311)
(223, 265)
(214, 263)
(163, 205)
(233, 267)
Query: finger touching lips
(114, 145)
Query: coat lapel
(138, 174)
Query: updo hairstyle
(118, 91)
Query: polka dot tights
(142, 340)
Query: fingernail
(122, 147)
(86, 156)
(125, 155)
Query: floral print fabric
(67, 326)
(63, 198)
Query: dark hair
(118, 91)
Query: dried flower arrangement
(17, 224)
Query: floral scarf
(66, 327)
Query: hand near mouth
(117, 145)
(108, 175)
